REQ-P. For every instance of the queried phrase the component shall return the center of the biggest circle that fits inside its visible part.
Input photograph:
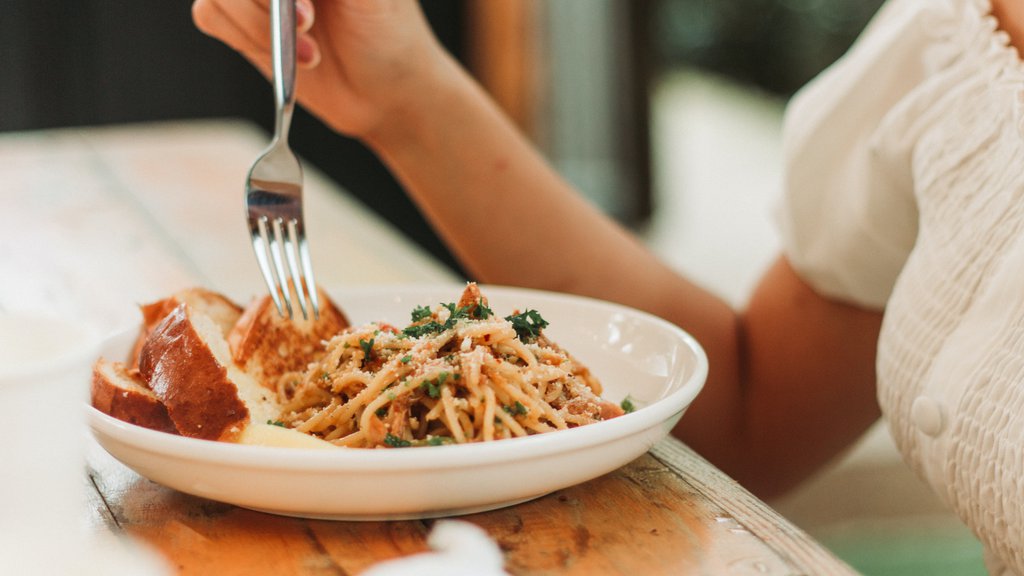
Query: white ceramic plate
(658, 365)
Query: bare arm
(1010, 15)
(791, 379)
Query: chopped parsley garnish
(527, 324)
(276, 423)
(367, 347)
(481, 311)
(421, 313)
(396, 442)
(430, 441)
(627, 405)
(433, 326)
(405, 359)
(516, 409)
(418, 330)
(433, 387)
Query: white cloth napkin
(458, 549)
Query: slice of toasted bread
(120, 392)
(218, 307)
(187, 364)
(267, 345)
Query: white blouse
(905, 191)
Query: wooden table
(97, 220)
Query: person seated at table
(900, 283)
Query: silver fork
(273, 189)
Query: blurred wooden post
(503, 53)
(515, 55)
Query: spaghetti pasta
(457, 373)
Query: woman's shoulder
(1010, 15)
(903, 44)
(849, 139)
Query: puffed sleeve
(847, 216)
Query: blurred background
(666, 113)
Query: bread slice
(120, 392)
(187, 364)
(221, 309)
(267, 345)
(257, 434)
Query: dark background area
(773, 45)
(96, 62)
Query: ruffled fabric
(905, 191)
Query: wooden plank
(200, 536)
(641, 519)
(197, 536)
(646, 518)
(622, 523)
(742, 512)
(355, 546)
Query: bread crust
(220, 308)
(204, 368)
(122, 393)
(184, 373)
(268, 346)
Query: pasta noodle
(458, 373)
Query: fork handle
(282, 33)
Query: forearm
(505, 213)
(805, 390)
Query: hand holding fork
(273, 191)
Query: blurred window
(777, 45)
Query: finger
(305, 13)
(242, 24)
(307, 51)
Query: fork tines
(275, 237)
